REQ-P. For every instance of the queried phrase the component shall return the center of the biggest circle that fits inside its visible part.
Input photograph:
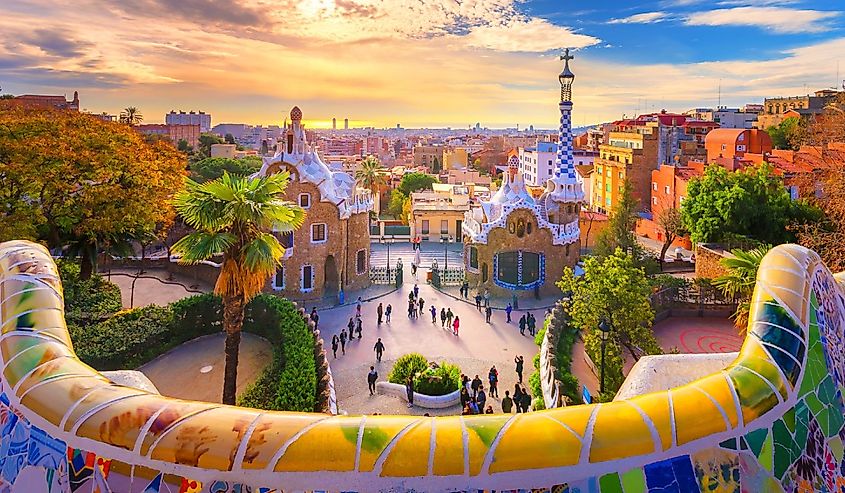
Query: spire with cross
(566, 77)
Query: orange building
(58, 102)
(188, 133)
(668, 190)
(731, 143)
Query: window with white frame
(306, 279)
(444, 226)
(654, 186)
(425, 226)
(279, 278)
(666, 189)
(654, 200)
(305, 200)
(319, 233)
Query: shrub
(438, 380)
(93, 299)
(407, 365)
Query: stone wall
(708, 261)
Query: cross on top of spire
(566, 56)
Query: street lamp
(387, 241)
(604, 327)
(445, 240)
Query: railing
(382, 275)
(453, 276)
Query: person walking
(379, 312)
(343, 338)
(486, 298)
(519, 366)
(526, 400)
(335, 342)
(360, 328)
(493, 378)
(371, 380)
(508, 311)
(478, 302)
(507, 403)
(433, 314)
(416, 291)
(351, 326)
(449, 317)
(443, 318)
(522, 323)
(379, 349)
(422, 305)
(414, 269)
(456, 325)
(488, 313)
(387, 312)
(409, 390)
(358, 308)
(475, 385)
(314, 317)
(532, 323)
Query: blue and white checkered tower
(566, 185)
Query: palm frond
(262, 253)
(202, 245)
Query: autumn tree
(825, 147)
(79, 183)
(614, 289)
(668, 219)
(788, 134)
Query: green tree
(131, 116)
(414, 182)
(614, 289)
(723, 205)
(787, 134)
(80, 183)
(234, 217)
(738, 283)
(212, 168)
(669, 220)
(620, 228)
(229, 139)
(183, 146)
(370, 174)
(206, 140)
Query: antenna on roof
(719, 103)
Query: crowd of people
(474, 400)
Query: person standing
(387, 312)
(380, 313)
(517, 398)
(488, 313)
(508, 311)
(351, 326)
(475, 385)
(443, 318)
(456, 325)
(379, 349)
(360, 327)
(314, 317)
(486, 298)
(519, 366)
(526, 400)
(507, 403)
(371, 380)
(478, 302)
(532, 323)
(343, 338)
(409, 390)
(433, 314)
(449, 317)
(422, 305)
(481, 398)
(358, 308)
(493, 378)
(335, 342)
(522, 323)
(416, 291)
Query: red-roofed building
(668, 190)
(730, 143)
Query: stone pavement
(487, 344)
(153, 287)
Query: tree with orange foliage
(824, 148)
(79, 183)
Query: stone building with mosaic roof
(518, 242)
(331, 251)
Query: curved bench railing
(772, 419)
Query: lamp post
(604, 327)
(445, 240)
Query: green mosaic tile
(789, 420)
(786, 450)
(827, 392)
(633, 481)
(729, 444)
(765, 457)
(802, 420)
(755, 439)
(836, 420)
(610, 483)
(814, 403)
(815, 370)
(836, 448)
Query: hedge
(429, 378)
(92, 299)
(131, 338)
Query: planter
(421, 400)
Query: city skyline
(418, 63)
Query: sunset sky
(417, 62)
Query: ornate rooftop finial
(566, 77)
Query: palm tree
(738, 283)
(131, 116)
(369, 174)
(233, 216)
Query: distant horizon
(421, 63)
